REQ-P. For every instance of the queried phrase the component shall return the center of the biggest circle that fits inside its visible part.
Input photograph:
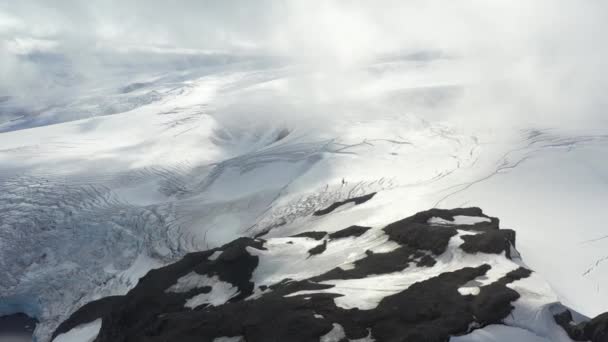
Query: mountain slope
(437, 274)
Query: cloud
(541, 59)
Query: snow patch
(282, 260)
(533, 310)
(367, 338)
(215, 255)
(366, 293)
(459, 220)
(191, 281)
(229, 339)
(82, 333)
(472, 290)
(334, 335)
(220, 293)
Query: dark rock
(374, 263)
(352, 231)
(448, 215)
(493, 301)
(88, 313)
(318, 249)
(334, 206)
(149, 301)
(312, 235)
(420, 235)
(595, 330)
(496, 241)
(429, 310)
(426, 261)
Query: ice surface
(555, 199)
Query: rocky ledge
(436, 276)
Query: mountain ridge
(233, 301)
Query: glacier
(134, 177)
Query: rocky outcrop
(428, 277)
(595, 330)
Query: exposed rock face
(431, 276)
(595, 330)
(336, 205)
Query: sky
(542, 56)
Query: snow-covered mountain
(436, 276)
(139, 175)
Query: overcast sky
(289, 27)
(553, 47)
